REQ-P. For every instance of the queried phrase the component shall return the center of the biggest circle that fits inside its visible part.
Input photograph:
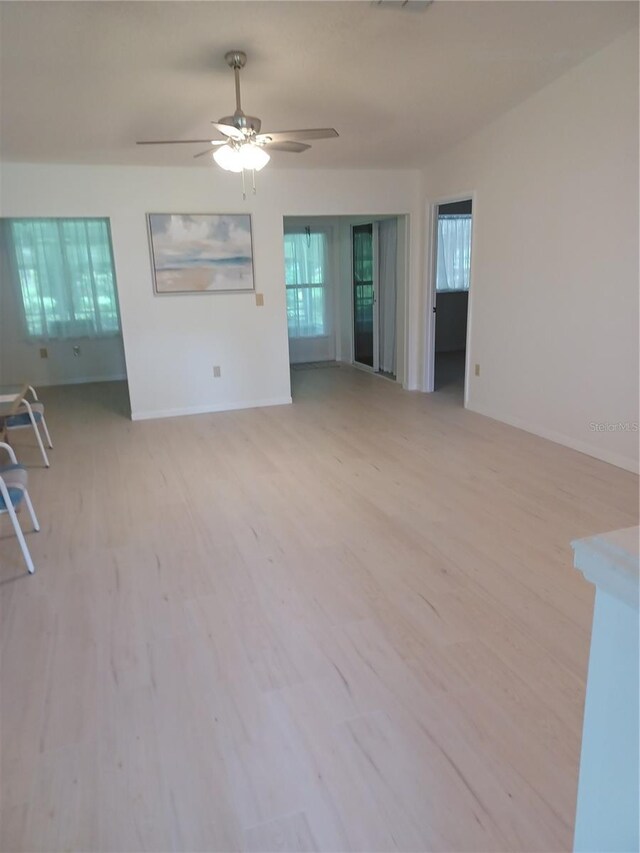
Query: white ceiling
(81, 81)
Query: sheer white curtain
(63, 272)
(388, 288)
(454, 252)
(309, 285)
(305, 257)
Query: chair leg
(21, 539)
(32, 513)
(41, 445)
(42, 450)
(46, 432)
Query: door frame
(431, 264)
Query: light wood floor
(347, 624)
(449, 373)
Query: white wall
(554, 289)
(99, 358)
(172, 342)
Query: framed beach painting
(201, 252)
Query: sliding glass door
(365, 346)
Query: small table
(10, 398)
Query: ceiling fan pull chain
(253, 177)
(244, 190)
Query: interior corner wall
(172, 342)
(554, 278)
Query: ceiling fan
(244, 146)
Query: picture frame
(196, 253)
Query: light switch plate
(259, 299)
(477, 370)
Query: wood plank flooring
(347, 624)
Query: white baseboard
(85, 380)
(209, 408)
(625, 462)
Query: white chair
(30, 414)
(13, 490)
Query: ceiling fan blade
(228, 130)
(286, 145)
(203, 153)
(311, 133)
(175, 142)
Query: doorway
(345, 284)
(452, 279)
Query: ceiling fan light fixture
(253, 157)
(236, 158)
(228, 158)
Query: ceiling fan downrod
(236, 59)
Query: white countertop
(611, 561)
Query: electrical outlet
(477, 370)
(76, 350)
(216, 371)
(44, 352)
(259, 299)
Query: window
(66, 279)
(305, 263)
(454, 252)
